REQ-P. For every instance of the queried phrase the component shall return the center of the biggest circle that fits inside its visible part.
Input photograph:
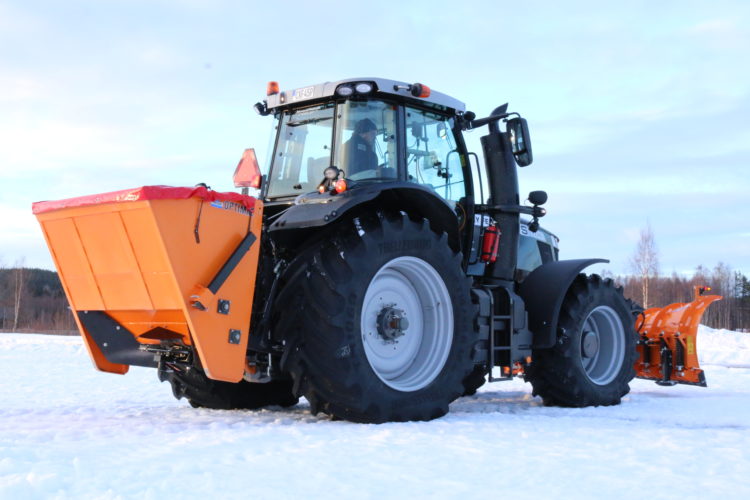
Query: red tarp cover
(144, 193)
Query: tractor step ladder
(501, 327)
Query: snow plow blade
(667, 344)
(157, 268)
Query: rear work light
(363, 88)
(344, 91)
(349, 89)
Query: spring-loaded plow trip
(667, 344)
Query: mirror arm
(491, 120)
(535, 211)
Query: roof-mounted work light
(344, 90)
(363, 88)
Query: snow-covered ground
(68, 431)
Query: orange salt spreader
(154, 264)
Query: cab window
(432, 157)
(529, 257)
(365, 146)
(303, 151)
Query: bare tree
(3, 299)
(645, 261)
(722, 281)
(18, 290)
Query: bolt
(234, 336)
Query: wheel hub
(590, 344)
(391, 323)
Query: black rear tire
(474, 380)
(201, 392)
(592, 362)
(321, 322)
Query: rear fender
(543, 292)
(317, 210)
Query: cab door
(432, 156)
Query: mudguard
(316, 210)
(543, 292)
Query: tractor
(369, 272)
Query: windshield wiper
(309, 120)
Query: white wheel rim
(414, 359)
(604, 328)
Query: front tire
(382, 327)
(592, 362)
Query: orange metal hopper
(667, 345)
(158, 265)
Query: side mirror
(247, 174)
(520, 141)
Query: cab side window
(432, 158)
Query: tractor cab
(339, 147)
(371, 131)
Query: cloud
(20, 88)
(723, 34)
(45, 144)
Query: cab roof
(383, 87)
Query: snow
(68, 431)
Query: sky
(639, 112)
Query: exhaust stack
(503, 184)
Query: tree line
(33, 300)
(731, 313)
(649, 288)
